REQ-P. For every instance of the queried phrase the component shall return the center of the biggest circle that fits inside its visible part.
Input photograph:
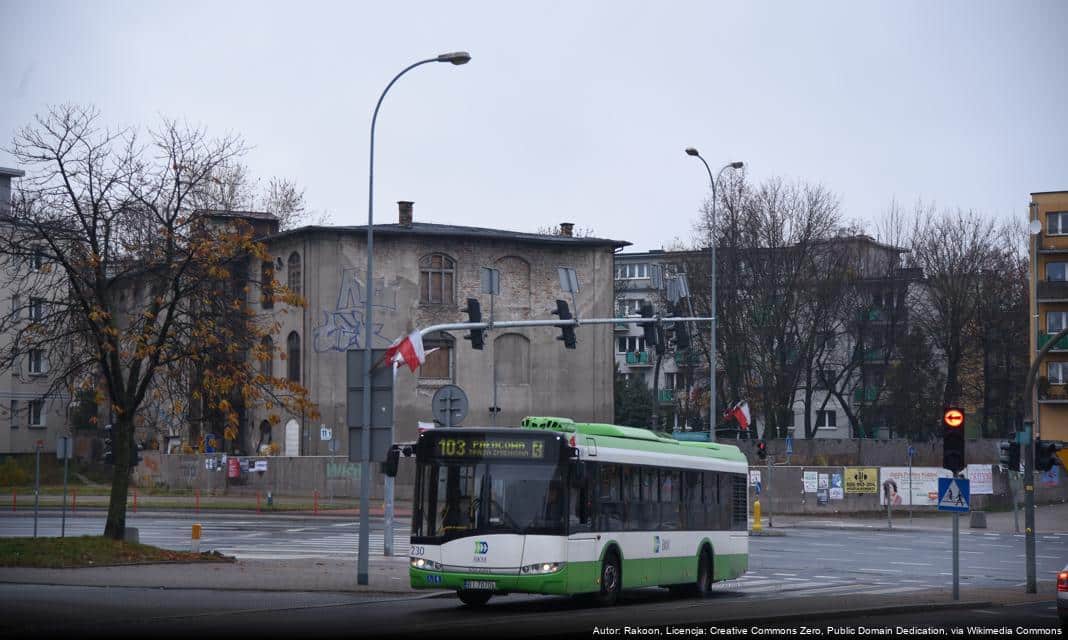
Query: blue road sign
(757, 487)
(912, 451)
(954, 494)
(789, 445)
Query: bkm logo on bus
(481, 547)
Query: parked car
(1062, 598)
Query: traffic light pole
(1029, 506)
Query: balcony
(1053, 394)
(1052, 290)
(666, 396)
(621, 327)
(637, 358)
(1062, 344)
(688, 358)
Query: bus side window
(611, 503)
(670, 499)
(581, 517)
(632, 497)
(694, 513)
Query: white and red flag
(740, 412)
(408, 350)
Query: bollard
(270, 501)
(757, 527)
(257, 502)
(196, 538)
(315, 503)
(198, 501)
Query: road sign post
(911, 453)
(954, 494)
(63, 450)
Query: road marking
(884, 570)
(785, 574)
(914, 564)
(991, 613)
(882, 592)
(827, 577)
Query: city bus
(563, 507)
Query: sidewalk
(1049, 519)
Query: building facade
(1049, 305)
(424, 274)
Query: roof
(11, 173)
(668, 255)
(252, 215)
(1048, 193)
(452, 231)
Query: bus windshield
(460, 498)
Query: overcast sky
(577, 111)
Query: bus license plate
(480, 584)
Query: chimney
(566, 229)
(405, 209)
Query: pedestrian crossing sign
(954, 494)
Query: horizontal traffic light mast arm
(507, 324)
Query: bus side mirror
(389, 467)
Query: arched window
(266, 281)
(293, 273)
(267, 366)
(265, 437)
(293, 356)
(511, 357)
(436, 279)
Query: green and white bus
(561, 507)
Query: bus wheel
(704, 575)
(474, 598)
(611, 580)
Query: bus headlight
(541, 568)
(424, 564)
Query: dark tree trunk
(115, 527)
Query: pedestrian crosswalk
(767, 586)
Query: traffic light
(649, 328)
(474, 314)
(682, 336)
(567, 334)
(1010, 455)
(109, 454)
(762, 449)
(1044, 455)
(953, 439)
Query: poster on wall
(1050, 478)
(754, 477)
(981, 478)
(837, 492)
(821, 497)
(924, 483)
(824, 481)
(809, 481)
(861, 480)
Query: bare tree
(139, 292)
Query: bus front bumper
(549, 583)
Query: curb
(848, 613)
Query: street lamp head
(737, 165)
(690, 151)
(456, 57)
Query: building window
(825, 378)
(14, 414)
(37, 258)
(669, 380)
(632, 271)
(266, 284)
(630, 344)
(1056, 320)
(436, 273)
(1057, 271)
(265, 437)
(826, 420)
(293, 273)
(1057, 223)
(293, 356)
(37, 414)
(267, 366)
(438, 364)
(1058, 372)
(631, 307)
(36, 309)
(37, 361)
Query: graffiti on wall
(340, 470)
(341, 328)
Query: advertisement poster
(924, 485)
(233, 468)
(825, 481)
(837, 492)
(1050, 478)
(821, 497)
(862, 480)
(981, 478)
(809, 480)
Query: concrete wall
(865, 452)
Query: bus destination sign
(490, 447)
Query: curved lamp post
(457, 57)
(712, 243)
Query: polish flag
(408, 350)
(740, 412)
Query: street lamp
(457, 58)
(712, 243)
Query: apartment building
(1049, 305)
